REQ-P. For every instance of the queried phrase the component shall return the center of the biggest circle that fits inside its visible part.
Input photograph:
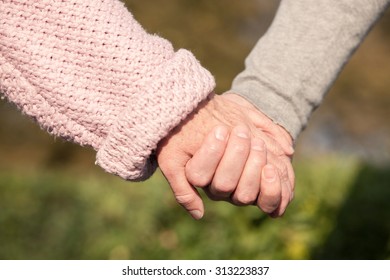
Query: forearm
(88, 72)
(293, 65)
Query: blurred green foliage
(56, 204)
(341, 211)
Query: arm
(293, 65)
(88, 72)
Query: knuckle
(223, 187)
(185, 199)
(268, 207)
(245, 198)
(214, 149)
(198, 179)
(241, 147)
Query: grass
(340, 211)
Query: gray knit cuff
(275, 106)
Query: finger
(284, 139)
(186, 195)
(271, 190)
(291, 176)
(201, 167)
(248, 187)
(272, 145)
(232, 163)
(284, 167)
(285, 200)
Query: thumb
(185, 194)
(172, 163)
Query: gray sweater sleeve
(293, 65)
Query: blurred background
(56, 204)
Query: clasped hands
(232, 151)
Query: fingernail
(242, 132)
(269, 173)
(196, 214)
(221, 133)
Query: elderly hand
(234, 152)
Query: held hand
(219, 114)
(278, 179)
(237, 171)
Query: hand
(235, 169)
(238, 172)
(228, 110)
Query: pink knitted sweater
(85, 70)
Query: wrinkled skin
(233, 152)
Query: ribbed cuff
(274, 106)
(175, 91)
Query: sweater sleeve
(293, 65)
(86, 71)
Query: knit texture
(293, 65)
(86, 71)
